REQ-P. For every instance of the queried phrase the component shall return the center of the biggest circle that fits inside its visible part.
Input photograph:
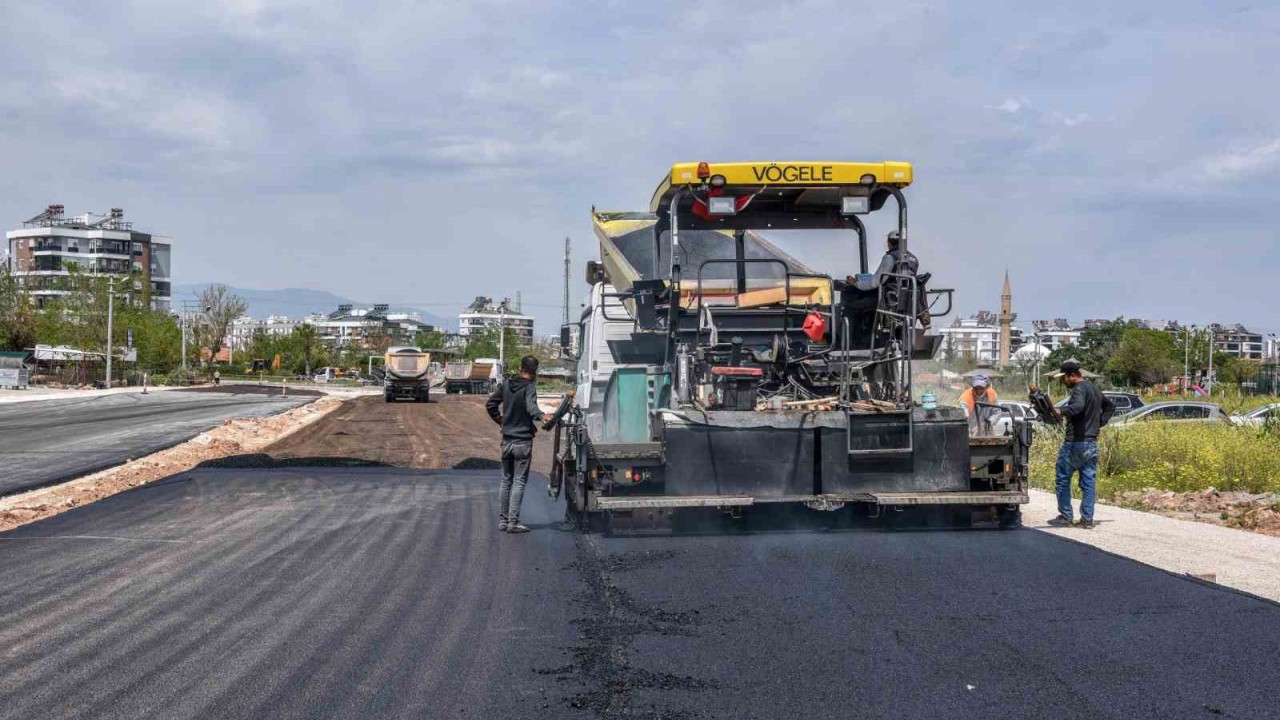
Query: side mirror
(566, 342)
(596, 272)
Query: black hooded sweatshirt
(514, 406)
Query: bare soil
(1259, 513)
(451, 431)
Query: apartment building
(483, 312)
(48, 247)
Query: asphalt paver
(380, 592)
(48, 441)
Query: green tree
(433, 340)
(307, 342)
(1061, 355)
(17, 314)
(157, 338)
(376, 342)
(965, 362)
(1142, 357)
(79, 320)
(1098, 344)
(482, 343)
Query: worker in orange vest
(980, 392)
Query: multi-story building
(349, 325)
(244, 328)
(1053, 334)
(978, 337)
(1237, 340)
(1271, 348)
(484, 313)
(44, 251)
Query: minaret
(1006, 320)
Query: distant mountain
(297, 303)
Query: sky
(1114, 158)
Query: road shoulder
(1234, 558)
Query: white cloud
(1240, 163)
(1011, 105)
(1071, 120)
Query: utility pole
(566, 281)
(502, 336)
(111, 294)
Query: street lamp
(111, 294)
(1208, 380)
(1035, 369)
(1186, 357)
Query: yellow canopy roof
(787, 174)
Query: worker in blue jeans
(514, 406)
(1086, 412)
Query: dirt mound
(1247, 511)
(451, 431)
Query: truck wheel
(1010, 518)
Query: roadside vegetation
(1172, 456)
(1137, 359)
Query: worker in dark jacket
(895, 261)
(1085, 413)
(514, 406)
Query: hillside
(298, 302)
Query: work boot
(515, 527)
(502, 523)
(1085, 523)
(1061, 521)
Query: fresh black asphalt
(384, 593)
(48, 441)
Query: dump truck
(715, 370)
(470, 376)
(406, 374)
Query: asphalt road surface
(44, 442)
(387, 593)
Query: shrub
(1182, 457)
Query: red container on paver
(815, 326)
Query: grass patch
(1181, 457)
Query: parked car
(1013, 411)
(1174, 411)
(1126, 402)
(1259, 416)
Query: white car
(1259, 416)
(1175, 411)
(1014, 411)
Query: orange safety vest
(967, 399)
